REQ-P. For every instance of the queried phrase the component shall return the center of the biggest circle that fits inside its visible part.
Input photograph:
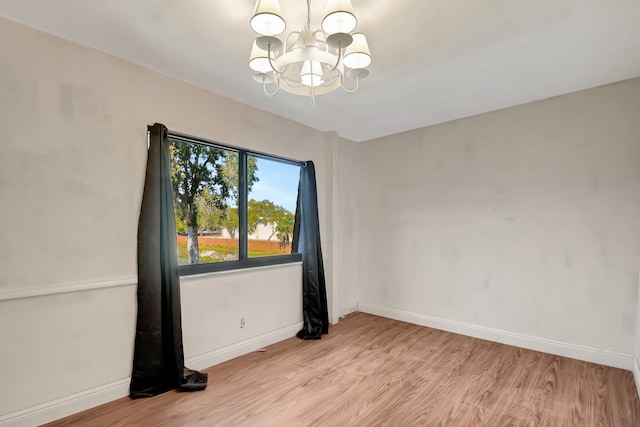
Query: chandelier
(309, 62)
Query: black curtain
(158, 359)
(306, 240)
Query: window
(271, 207)
(233, 208)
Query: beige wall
(72, 161)
(346, 244)
(520, 225)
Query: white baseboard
(219, 356)
(560, 348)
(636, 374)
(343, 312)
(348, 310)
(69, 405)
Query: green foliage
(231, 221)
(284, 228)
(220, 253)
(262, 212)
(265, 212)
(278, 215)
(203, 179)
(210, 216)
(181, 226)
(230, 173)
(205, 189)
(258, 213)
(195, 167)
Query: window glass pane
(273, 190)
(205, 193)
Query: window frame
(243, 243)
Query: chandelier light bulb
(311, 74)
(267, 18)
(357, 54)
(259, 59)
(339, 17)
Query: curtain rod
(189, 138)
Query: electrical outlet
(242, 323)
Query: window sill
(229, 266)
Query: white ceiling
(433, 60)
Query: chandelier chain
(308, 13)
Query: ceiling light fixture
(310, 62)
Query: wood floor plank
(372, 371)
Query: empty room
(320, 213)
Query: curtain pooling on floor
(158, 360)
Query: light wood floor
(372, 371)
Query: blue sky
(278, 183)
